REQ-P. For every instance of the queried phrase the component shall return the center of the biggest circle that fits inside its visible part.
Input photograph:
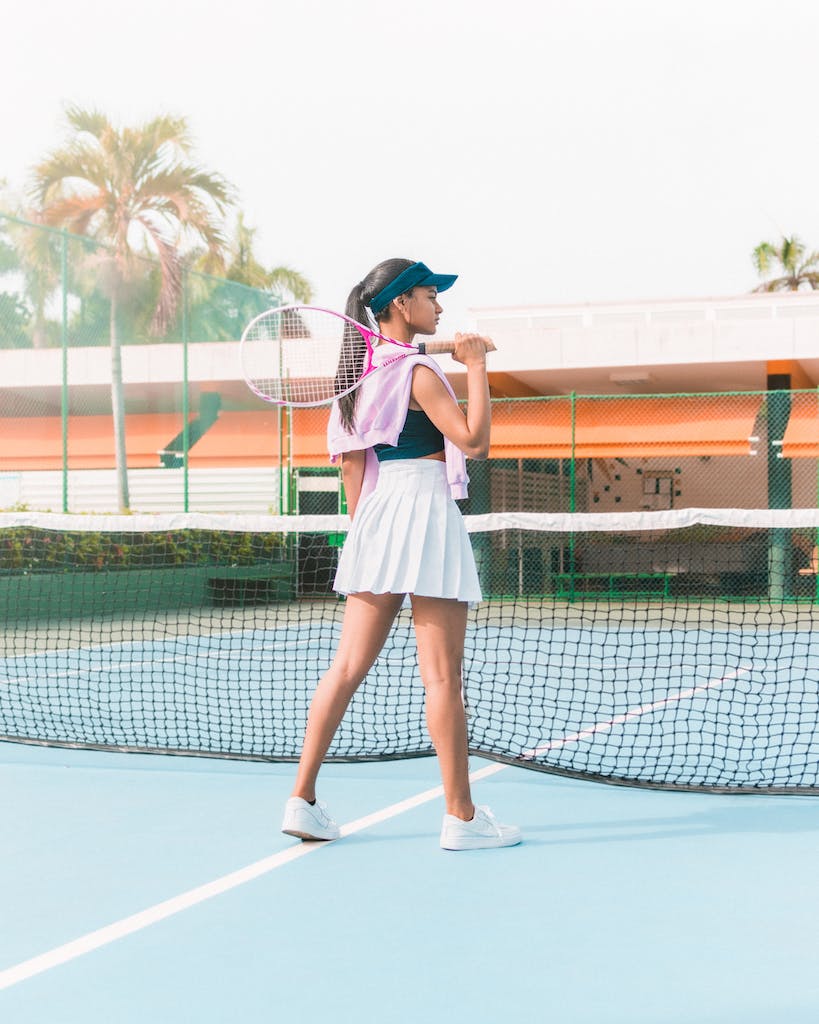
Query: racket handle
(435, 348)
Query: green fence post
(780, 493)
(573, 459)
(480, 487)
(572, 492)
(816, 536)
(64, 368)
(283, 475)
(185, 399)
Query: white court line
(123, 647)
(160, 911)
(635, 713)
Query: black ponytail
(353, 348)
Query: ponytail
(353, 348)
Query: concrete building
(600, 407)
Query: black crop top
(419, 436)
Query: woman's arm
(469, 432)
(352, 476)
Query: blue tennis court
(157, 888)
(140, 885)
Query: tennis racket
(307, 356)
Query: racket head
(305, 355)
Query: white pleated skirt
(408, 537)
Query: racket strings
(301, 356)
(351, 359)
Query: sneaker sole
(481, 843)
(307, 836)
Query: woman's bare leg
(366, 625)
(440, 630)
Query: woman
(402, 439)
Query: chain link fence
(613, 453)
(87, 349)
(111, 376)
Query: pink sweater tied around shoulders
(383, 401)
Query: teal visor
(417, 276)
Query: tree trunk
(118, 411)
(39, 338)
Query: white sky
(548, 151)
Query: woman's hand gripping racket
(307, 356)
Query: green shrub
(25, 549)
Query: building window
(658, 490)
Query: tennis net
(669, 649)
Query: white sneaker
(483, 832)
(308, 821)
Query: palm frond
(74, 212)
(170, 268)
(75, 167)
(179, 176)
(215, 240)
(777, 284)
(183, 181)
(156, 146)
(168, 130)
(789, 259)
(791, 252)
(764, 257)
(291, 282)
(248, 272)
(92, 122)
(808, 263)
(211, 261)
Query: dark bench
(251, 584)
(614, 584)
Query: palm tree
(33, 254)
(219, 307)
(790, 261)
(134, 190)
(244, 268)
